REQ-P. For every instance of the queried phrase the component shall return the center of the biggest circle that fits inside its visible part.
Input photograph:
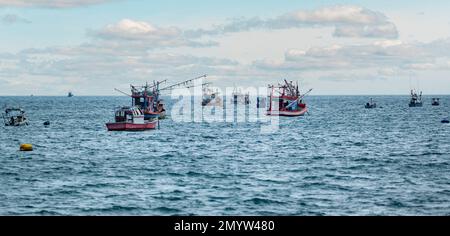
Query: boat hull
(131, 126)
(288, 113)
(415, 105)
(17, 124)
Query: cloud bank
(145, 35)
(348, 21)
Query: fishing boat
(147, 98)
(131, 119)
(286, 100)
(210, 97)
(371, 104)
(70, 94)
(416, 99)
(238, 98)
(261, 102)
(435, 102)
(14, 117)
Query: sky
(354, 47)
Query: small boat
(261, 102)
(436, 102)
(238, 98)
(131, 119)
(445, 121)
(211, 98)
(70, 94)
(416, 99)
(287, 102)
(371, 104)
(15, 117)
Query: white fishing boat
(15, 117)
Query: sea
(339, 159)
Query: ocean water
(341, 159)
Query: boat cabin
(129, 115)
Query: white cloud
(50, 3)
(386, 30)
(348, 21)
(145, 35)
(388, 58)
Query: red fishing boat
(286, 100)
(148, 99)
(131, 119)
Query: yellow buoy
(26, 147)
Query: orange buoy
(26, 147)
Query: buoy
(47, 123)
(26, 147)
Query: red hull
(288, 113)
(131, 126)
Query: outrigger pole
(202, 85)
(122, 92)
(309, 91)
(183, 83)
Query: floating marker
(26, 147)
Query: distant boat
(371, 104)
(70, 94)
(435, 102)
(211, 98)
(416, 99)
(445, 121)
(286, 100)
(261, 102)
(238, 98)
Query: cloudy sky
(48, 47)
